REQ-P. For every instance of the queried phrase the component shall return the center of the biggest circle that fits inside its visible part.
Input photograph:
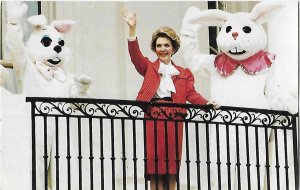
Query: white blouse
(166, 85)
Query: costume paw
(15, 11)
(83, 84)
(188, 22)
(191, 15)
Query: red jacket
(184, 82)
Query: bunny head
(242, 34)
(241, 37)
(46, 43)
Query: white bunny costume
(40, 72)
(238, 77)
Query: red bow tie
(254, 64)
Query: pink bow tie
(51, 72)
(253, 65)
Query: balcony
(101, 144)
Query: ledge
(6, 63)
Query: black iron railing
(102, 144)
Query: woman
(163, 82)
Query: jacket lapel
(181, 74)
(156, 66)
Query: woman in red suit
(163, 82)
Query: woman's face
(164, 49)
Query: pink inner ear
(63, 28)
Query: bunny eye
(247, 29)
(61, 42)
(46, 41)
(228, 29)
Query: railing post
(178, 159)
(123, 153)
(295, 149)
(68, 157)
(238, 163)
(248, 158)
(167, 153)
(267, 157)
(113, 158)
(187, 155)
(46, 156)
(198, 161)
(33, 146)
(257, 158)
(79, 155)
(91, 157)
(135, 159)
(145, 152)
(208, 155)
(101, 155)
(277, 159)
(57, 156)
(218, 156)
(228, 157)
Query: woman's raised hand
(130, 19)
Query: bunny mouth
(236, 51)
(54, 61)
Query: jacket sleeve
(139, 61)
(192, 95)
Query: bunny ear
(62, 26)
(211, 17)
(263, 10)
(37, 20)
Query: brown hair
(166, 32)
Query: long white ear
(265, 9)
(212, 17)
(62, 26)
(37, 20)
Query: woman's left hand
(214, 103)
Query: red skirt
(163, 150)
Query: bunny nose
(57, 49)
(235, 35)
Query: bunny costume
(39, 70)
(238, 77)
